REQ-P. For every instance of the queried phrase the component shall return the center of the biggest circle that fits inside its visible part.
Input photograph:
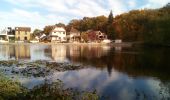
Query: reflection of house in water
(40, 52)
(4, 52)
(86, 54)
(75, 51)
(7, 52)
(95, 51)
(22, 52)
(59, 52)
(118, 48)
(11, 51)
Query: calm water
(114, 72)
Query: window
(25, 32)
(25, 38)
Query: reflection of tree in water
(165, 90)
(140, 62)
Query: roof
(58, 29)
(3, 32)
(22, 29)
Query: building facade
(74, 35)
(3, 36)
(11, 34)
(58, 34)
(22, 33)
(96, 36)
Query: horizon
(38, 14)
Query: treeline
(99, 23)
(151, 26)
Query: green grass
(9, 88)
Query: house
(11, 34)
(22, 34)
(74, 35)
(3, 36)
(58, 34)
(96, 36)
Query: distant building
(11, 34)
(58, 34)
(3, 36)
(74, 35)
(96, 36)
(22, 33)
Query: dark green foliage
(110, 18)
(60, 25)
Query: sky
(39, 13)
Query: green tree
(48, 29)
(36, 32)
(110, 17)
(110, 29)
(60, 25)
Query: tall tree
(110, 28)
(110, 17)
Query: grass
(9, 88)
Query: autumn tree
(48, 29)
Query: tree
(48, 29)
(110, 31)
(110, 28)
(60, 25)
(84, 36)
(73, 24)
(110, 17)
(36, 32)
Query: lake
(117, 73)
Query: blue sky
(39, 13)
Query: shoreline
(124, 44)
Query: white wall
(59, 34)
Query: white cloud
(38, 13)
(18, 17)
(132, 3)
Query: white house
(58, 34)
(3, 36)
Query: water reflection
(118, 86)
(59, 53)
(131, 73)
